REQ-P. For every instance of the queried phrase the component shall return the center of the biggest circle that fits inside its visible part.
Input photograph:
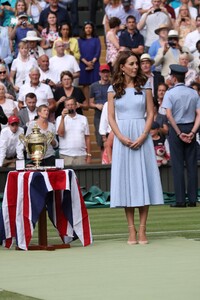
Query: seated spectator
(90, 50)
(162, 32)
(42, 91)
(20, 30)
(152, 19)
(28, 113)
(8, 105)
(129, 10)
(98, 97)
(62, 62)
(112, 41)
(184, 23)
(196, 62)
(45, 126)
(161, 119)
(107, 153)
(131, 38)
(68, 90)
(3, 118)
(70, 43)
(5, 50)
(112, 9)
(193, 37)
(49, 34)
(159, 145)
(191, 74)
(192, 9)
(162, 88)
(154, 78)
(74, 136)
(4, 78)
(21, 66)
(61, 14)
(10, 12)
(34, 9)
(32, 40)
(170, 52)
(47, 76)
(196, 86)
(10, 146)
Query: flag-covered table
(29, 193)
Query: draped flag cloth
(26, 194)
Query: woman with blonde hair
(184, 23)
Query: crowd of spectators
(47, 59)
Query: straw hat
(146, 56)
(162, 26)
(31, 36)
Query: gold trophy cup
(36, 144)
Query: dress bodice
(131, 105)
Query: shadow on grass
(5, 295)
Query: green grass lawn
(163, 222)
(107, 224)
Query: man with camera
(20, 30)
(41, 90)
(170, 52)
(154, 17)
(74, 135)
(46, 74)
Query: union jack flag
(25, 195)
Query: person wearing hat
(32, 40)
(131, 38)
(18, 33)
(162, 32)
(146, 63)
(98, 97)
(182, 106)
(170, 52)
(10, 146)
(154, 17)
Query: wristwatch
(89, 154)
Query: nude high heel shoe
(134, 240)
(142, 239)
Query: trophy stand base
(42, 236)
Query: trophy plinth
(36, 144)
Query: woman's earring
(123, 73)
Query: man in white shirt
(63, 62)
(41, 90)
(74, 135)
(193, 37)
(46, 74)
(28, 113)
(10, 146)
(154, 17)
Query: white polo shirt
(73, 142)
(42, 91)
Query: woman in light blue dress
(135, 179)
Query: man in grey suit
(29, 112)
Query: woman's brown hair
(118, 76)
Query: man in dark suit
(29, 112)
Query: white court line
(125, 234)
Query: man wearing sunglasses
(10, 146)
(4, 79)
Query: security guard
(182, 106)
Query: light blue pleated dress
(135, 178)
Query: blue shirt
(183, 102)
(5, 52)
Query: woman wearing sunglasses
(5, 80)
